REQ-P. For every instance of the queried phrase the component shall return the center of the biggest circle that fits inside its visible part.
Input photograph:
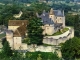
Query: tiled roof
(17, 22)
(20, 31)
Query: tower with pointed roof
(52, 21)
(52, 15)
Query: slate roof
(17, 22)
(58, 13)
(45, 16)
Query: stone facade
(52, 21)
(16, 32)
(56, 40)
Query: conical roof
(59, 12)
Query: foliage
(74, 20)
(3, 41)
(7, 13)
(77, 25)
(26, 40)
(42, 56)
(64, 7)
(32, 56)
(6, 50)
(70, 19)
(37, 7)
(71, 49)
(35, 31)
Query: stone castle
(52, 21)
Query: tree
(42, 56)
(6, 50)
(35, 31)
(71, 49)
(40, 7)
(70, 19)
(77, 25)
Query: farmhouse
(16, 32)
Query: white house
(16, 32)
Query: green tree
(70, 19)
(6, 50)
(42, 56)
(35, 31)
(37, 7)
(77, 25)
(71, 49)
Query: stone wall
(41, 48)
(56, 40)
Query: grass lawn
(59, 32)
(2, 35)
(65, 29)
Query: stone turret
(51, 12)
(51, 15)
